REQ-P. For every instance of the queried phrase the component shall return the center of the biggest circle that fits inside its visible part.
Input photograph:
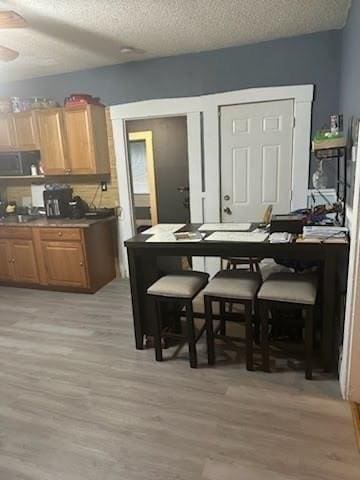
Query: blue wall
(350, 64)
(306, 59)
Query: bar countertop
(53, 222)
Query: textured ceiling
(69, 35)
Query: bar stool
(234, 286)
(288, 289)
(179, 288)
(253, 263)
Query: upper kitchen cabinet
(18, 131)
(53, 141)
(25, 132)
(87, 140)
(73, 141)
(6, 132)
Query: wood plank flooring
(78, 402)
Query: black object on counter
(287, 223)
(57, 202)
(78, 207)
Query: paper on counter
(163, 228)
(225, 227)
(237, 237)
(165, 237)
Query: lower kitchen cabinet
(17, 261)
(65, 264)
(6, 270)
(24, 261)
(58, 258)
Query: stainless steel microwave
(18, 163)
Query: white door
(256, 159)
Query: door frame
(177, 107)
(350, 361)
(146, 136)
(202, 113)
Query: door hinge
(291, 194)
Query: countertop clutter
(20, 221)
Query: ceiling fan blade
(7, 55)
(10, 19)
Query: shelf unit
(335, 150)
(21, 177)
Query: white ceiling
(69, 35)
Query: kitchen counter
(55, 222)
(75, 255)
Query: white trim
(350, 362)
(209, 105)
(125, 224)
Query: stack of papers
(324, 232)
(170, 238)
(225, 227)
(281, 237)
(163, 228)
(237, 237)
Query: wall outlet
(103, 184)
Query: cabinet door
(80, 142)
(6, 133)
(6, 265)
(25, 130)
(24, 262)
(65, 265)
(52, 141)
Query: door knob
(228, 210)
(226, 197)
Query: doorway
(141, 160)
(159, 170)
(256, 159)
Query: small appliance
(57, 201)
(18, 163)
(78, 207)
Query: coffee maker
(56, 201)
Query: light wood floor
(78, 402)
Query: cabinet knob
(13, 260)
(67, 170)
(81, 264)
(60, 234)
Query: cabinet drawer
(21, 233)
(60, 234)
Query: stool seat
(184, 284)
(234, 284)
(290, 287)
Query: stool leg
(264, 319)
(249, 337)
(256, 322)
(222, 319)
(191, 334)
(309, 341)
(209, 331)
(157, 333)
